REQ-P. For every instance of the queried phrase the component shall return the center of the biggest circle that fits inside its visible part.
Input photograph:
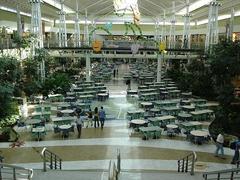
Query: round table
(146, 105)
(171, 129)
(33, 121)
(102, 96)
(138, 121)
(172, 126)
(65, 130)
(199, 133)
(198, 136)
(67, 112)
(184, 116)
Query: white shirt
(220, 138)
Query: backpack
(233, 145)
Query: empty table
(146, 105)
(136, 123)
(38, 132)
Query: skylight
(196, 5)
(57, 5)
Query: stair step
(103, 175)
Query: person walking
(219, 145)
(102, 116)
(79, 122)
(236, 152)
(96, 117)
(90, 116)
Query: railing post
(14, 174)
(51, 161)
(44, 162)
(218, 177)
(178, 165)
(186, 168)
(232, 176)
(55, 161)
(193, 164)
(183, 164)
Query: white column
(19, 23)
(157, 30)
(159, 67)
(172, 37)
(163, 33)
(86, 34)
(62, 32)
(212, 26)
(36, 30)
(186, 31)
(77, 38)
(88, 67)
(231, 26)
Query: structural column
(88, 67)
(163, 33)
(186, 31)
(231, 26)
(172, 37)
(86, 34)
(36, 30)
(157, 34)
(77, 40)
(159, 67)
(62, 33)
(212, 27)
(19, 22)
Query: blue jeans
(219, 147)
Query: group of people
(219, 147)
(96, 116)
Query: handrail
(232, 172)
(187, 163)
(114, 170)
(55, 162)
(17, 172)
(118, 161)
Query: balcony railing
(50, 160)
(186, 164)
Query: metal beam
(114, 55)
(93, 4)
(163, 8)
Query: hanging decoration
(97, 46)
(108, 25)
(98, 28)
(131, 26)
(123, 7)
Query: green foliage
(56, 83)
(9, 76)
(194, 78)
(225, 66)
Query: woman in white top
(219, 144)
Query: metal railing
(50, 160)
(229, 174)
(187, 163)
(113, 170)
(8, 171)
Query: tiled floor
(96, 147)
